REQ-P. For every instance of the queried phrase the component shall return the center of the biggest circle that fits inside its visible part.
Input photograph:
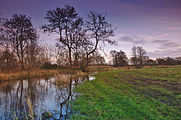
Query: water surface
(46, 97)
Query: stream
(47, 99)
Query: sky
(154, 25)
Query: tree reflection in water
(44, 94)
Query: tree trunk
(70, 57)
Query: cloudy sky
(152, 24)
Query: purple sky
(152, 24)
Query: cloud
(140, 39)
(166, 44)
(147, 40)
(159, 41)
(170, 45)
(165, 53)
(132, 39)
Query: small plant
(47, 114)
(15, 116)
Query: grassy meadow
(134, 94)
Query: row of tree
(77, 43)
(139, 58)
(168, 61)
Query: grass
(142, 94)
(105, 68)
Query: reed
(64, 76)
(25, 74)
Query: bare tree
(61, 55)
(8, 60)
(4, 43)
(141, 53)
(134, 54)
(113, 56)
(31, 52)
(20, 32)
(97, 59)
(99, 30)
(138, 54)
(65, 22)
(1, 32)
(80, 45)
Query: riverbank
(24, 75)
(152, 93)
(39, 73)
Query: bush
(49, 66)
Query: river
(47, 100)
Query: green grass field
(137, 94)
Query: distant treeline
(139, 59)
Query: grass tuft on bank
(137, 94)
